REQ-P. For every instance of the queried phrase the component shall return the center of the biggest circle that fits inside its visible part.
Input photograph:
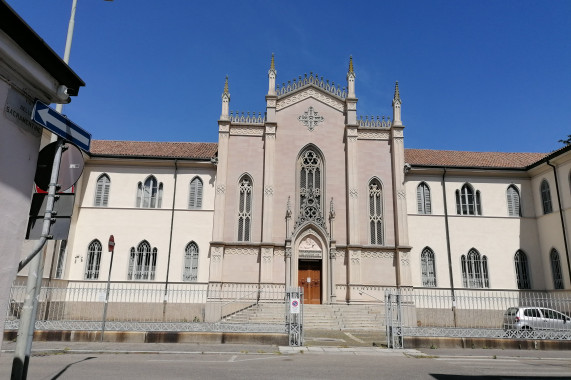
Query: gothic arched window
(556, 269)
(376, 211)
(150, 193)
(521, 270)
(142, 262)
(195, 194)
(546, 197)
(423, 198)
(468, 201)
(475, 270)
(428, 267)
(513, 201)
(310, 169)
(102, 191)
(93, 261)
(245, 209)
(190, 262)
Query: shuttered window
(513, 201)
(546, 197)
(195, 196)
(423, 199)
(102, 191)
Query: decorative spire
(272, 64)
(226, 85)
(351, 65)
(397, 94)
(272, 77)
(288, 209)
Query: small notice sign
(294, 306)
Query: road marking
(354, 337)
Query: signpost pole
(112, 250)
(28, 315)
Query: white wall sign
(294, 306)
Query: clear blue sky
(473, 75)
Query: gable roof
(416, 157)
(427, 157)
(153, 149)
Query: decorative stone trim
(310, 119)
(398, 133)
(241, 251)
(401, 194)
(220, 189)
(404, 258)
(268, 191)
(246, 131)
(279, 252)
(310, 93)
(271, 103)
(377, 254)
(373, 135)
(353, 193)
(224, 128)
(270, 129)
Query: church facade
(309, 194)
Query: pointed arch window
(423, 201)
(428, 267)
(195, 195)
(514, 208)
(93, 261)
(142, 262)
(150, 193)
(102, 191)
(546, 197)
(556, 269)
(522, 270)
(475, 270)
(310, 171)
(376, 212)
(190, 262)
(468, 201)
(245, 209)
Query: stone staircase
(324, 317)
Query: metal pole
(28, 316)
(59, 107)
(107, 296)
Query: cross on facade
(310, 119)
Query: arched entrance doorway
(310, 254)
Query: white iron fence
(143, 306)
(474, 313)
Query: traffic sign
(60, 125)
(70, 168)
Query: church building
(308, 193)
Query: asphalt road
(271, 364)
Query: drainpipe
(170, 239)
(562, 218)
(448, 246)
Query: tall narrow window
(93, 260)
(428, 267)
(190, 262)
(423, 198)
(195, 196)
(468, 202)
(61, 259)
(102, 191)
(150, 193)
(546, 197)
(376, 212)
(245, 209)
(142, 262)
(521, 270)
(513, 201)
(556, 269)
(310, 171)
(475, 270)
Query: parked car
(535, 318)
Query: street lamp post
(111, 246)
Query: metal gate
(393, 314)
(294, 315)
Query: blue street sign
(60, 125)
